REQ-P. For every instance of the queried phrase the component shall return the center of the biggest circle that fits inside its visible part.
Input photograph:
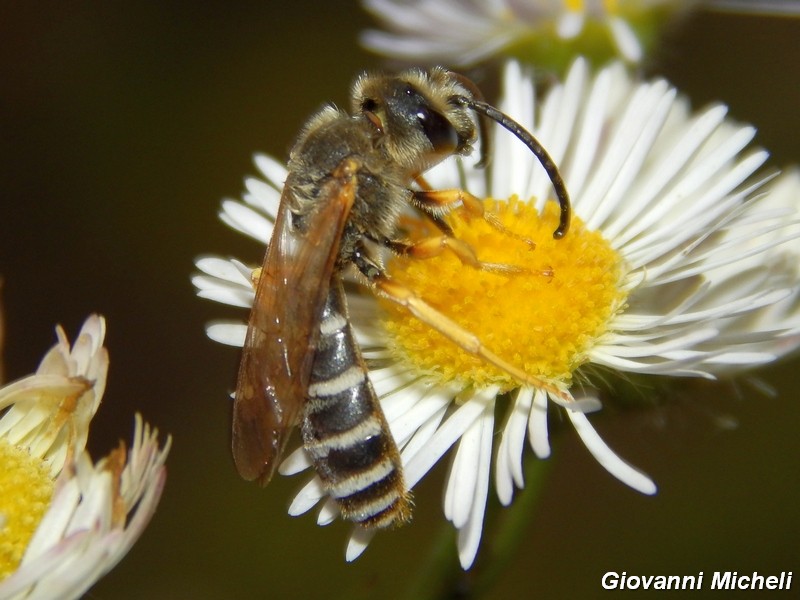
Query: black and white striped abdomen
(344, 429)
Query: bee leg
(436, 203)
(392, 290)
(255, 275)
(430, 247)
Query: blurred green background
(122, 125)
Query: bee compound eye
(439, 131)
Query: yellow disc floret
(542, 316)
(25, 492)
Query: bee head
(418, 122)
(422, 117)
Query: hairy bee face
(416, 120)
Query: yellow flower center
(543, 316)
(25, 492)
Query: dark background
(122, 125)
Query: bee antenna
(490, 112)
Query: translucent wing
(283, 327)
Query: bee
(349, 179)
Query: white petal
(758, 7)
(465, 474)
(627, 42)
(508, 468)
(273, 170)
(359, 540)
(469, 535)
(328, 512)
(447, 434)
(629, 224)
(559, 118)
(230, 334)
(246, 220)
(538, 435)
(415, 440)
(296, 462)
(307, 498)
(630, 149)
(607, 458)
(570, 24)
(223, 269)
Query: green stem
(439, 572)
(440, 575)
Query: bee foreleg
(433, 246)
(436, 203)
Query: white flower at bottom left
(64, 520)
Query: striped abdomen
(344, 430)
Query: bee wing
(283, 328)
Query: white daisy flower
(680, 261)
(464, 32)
(543, 32)
(64, 521)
